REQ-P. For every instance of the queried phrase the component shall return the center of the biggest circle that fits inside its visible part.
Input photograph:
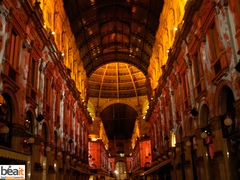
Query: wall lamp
(228, 121)
(59, 154)
(194, 112)
(177, 149)
(70, 141)
(67, 157)
(4, 129)
(40, 117)
(166, 138)
(204, 135)
(188, 143)
(164, 157)
(48, 149)
(30, 140)
(237, 67)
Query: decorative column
(201, 161)
(188, 159)
(178, 162)
(233, 7)
(180, 95)
(37, 169)
(67, 167)
(190, 79)
(49, 164)
(171, 92)
(60, 171)
(171, 155)
(221, 156)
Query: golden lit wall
(170, 21)
(56, 22)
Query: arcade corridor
(120, 89)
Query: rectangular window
(57, 103)
(184, 85)
(14, 49)
(197, 71)
(49, 17)
(213, 43)
(47, 92)
(33, 77)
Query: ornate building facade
(186, 127)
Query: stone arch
(129, 103)
(204, 117)
(190, 126)
(223, 92)
(8, 92)
(179, 134)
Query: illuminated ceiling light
(175, 29)
(52, 32)
(144, 117)
(62, 54)
(168, 50)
